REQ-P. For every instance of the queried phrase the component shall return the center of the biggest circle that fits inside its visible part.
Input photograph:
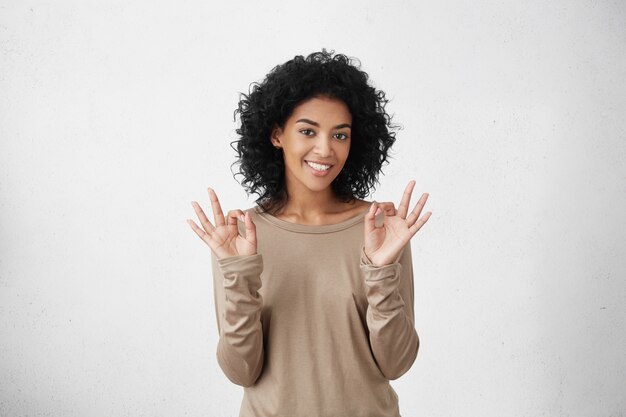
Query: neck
(307, 206)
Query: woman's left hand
(383, 244)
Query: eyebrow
(311, 122)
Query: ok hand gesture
(384, 244)
(224, 238)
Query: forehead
(322, 110)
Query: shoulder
(363, 203)
(251, 210)
(360, 206)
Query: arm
(236, 281)
(390, 316)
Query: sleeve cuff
(241, 263)
(242, 270)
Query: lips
(319, 165)
(316, 172)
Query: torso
(313, 321)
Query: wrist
(367, 260)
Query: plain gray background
(115, 115)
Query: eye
(343, 136)
(304, 131)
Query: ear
(276, 136)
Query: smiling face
(315, 142)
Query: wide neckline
(310, 228)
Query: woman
(314, 286)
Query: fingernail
(242, 218)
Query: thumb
(370, 217)
(232, 217)
(250, 228)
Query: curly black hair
(272, 101)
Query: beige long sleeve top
(309, 326)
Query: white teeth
(318, 166)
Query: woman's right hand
(224, 238)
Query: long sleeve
(390, 317)
(238, 305)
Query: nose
(322, 146)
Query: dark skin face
(318, 130)
(315, 142)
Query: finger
(417, 210)
(250, 229)
(370, 217)
(403, 208)
(206, 237)
(388, 208)
(233, 216)
(218, 215)
(418, 224)
(208, 226)
(201, 234)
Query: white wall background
(114, 116)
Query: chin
(320, 185)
